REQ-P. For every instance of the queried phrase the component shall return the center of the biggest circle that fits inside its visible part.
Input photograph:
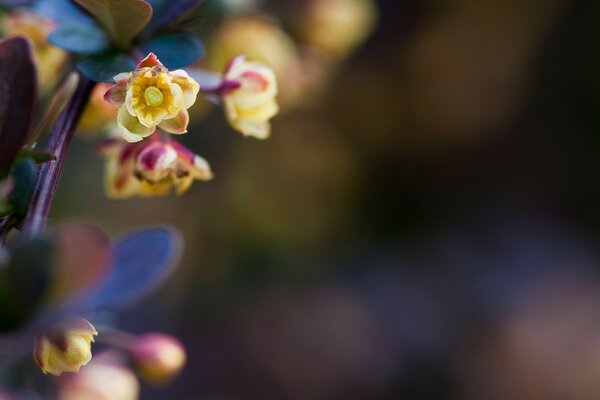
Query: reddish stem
(49, 174)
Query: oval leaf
(121, 19)
(171, 11)
(104, 68)
(18, 98)
(142, 261)
(79, 38)
(175, 50)
(24, 176)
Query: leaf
(171, 11)
(39, 156)
(122, 19)
(18, 98)
(23, 174)
(23, 283)
(79, 38)
(59, 100)
(83, 259)
(175, 50)
(142, 261)
(62, 11)
(104, 68)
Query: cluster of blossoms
(157, 358)
(152, 98)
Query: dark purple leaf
(18, 98)
(171, 11)
(142, 261)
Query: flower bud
(103, 379)
(66, 348)
(336, 27)
(250, 101)
(157, 357)
(98, 114)
(50, 60)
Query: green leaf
(23, 174)
(18, 98)
(39, 156)
(24, 282)
(79, 38)
(171, 11)
(104, 68)
(175, 50)
(121, 19)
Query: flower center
(153, 96)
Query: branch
(49, 174)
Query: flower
(157, 357)
(248, 94)
(150, 97)
(336, 27)
(66, 348)
(50, 60)
(104, 379)
(98, 114)
(150, 168)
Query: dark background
(426, 228)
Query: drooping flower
(248, 93)
(151, 97)
(150, 168)
(157, 357)
(66, 348)
(50, 60)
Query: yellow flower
(150, 168)
(98, 114)
(248, 92)
(66, 349)
(150, 97)
(50, 60)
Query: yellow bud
(158, 358)
(66, 348)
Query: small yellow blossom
(66, 349)
(151, 97)
(50, 60)
(98, 114)
(150, 168)
(249, 91)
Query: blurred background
(422, 224)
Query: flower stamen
(153, 96)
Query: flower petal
(116, 93)
(189, 86)
(131, 128)
(150, 61)
(177, 125)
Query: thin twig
(49, 174)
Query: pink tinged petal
(116, 94)
(123, 76)
(201, 169)
(257, 129)
(189, 86)
(183, 152)
(233, 65)
(177, 125)
(131, 128)
(150, 61)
